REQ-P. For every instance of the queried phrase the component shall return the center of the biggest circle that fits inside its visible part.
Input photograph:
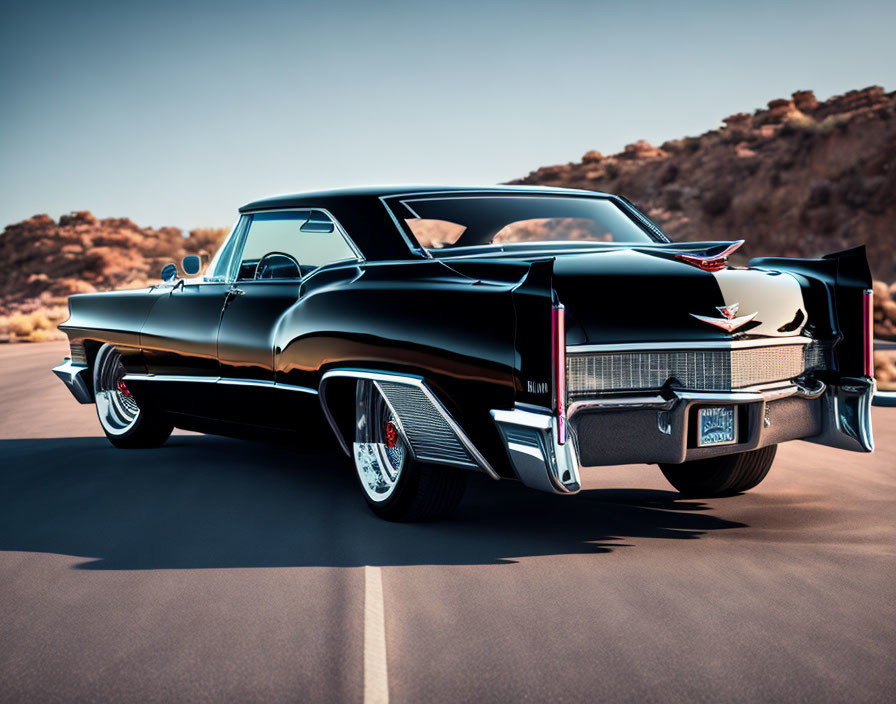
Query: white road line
(376, 678)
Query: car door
(179, 338)
(281, 249)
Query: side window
(307, 238)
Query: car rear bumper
(661, 429)
(77, 378)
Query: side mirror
(169, 272)
(191, 265)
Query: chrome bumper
(538, 459)
(847, 416)
(656, 429)
(75, 376)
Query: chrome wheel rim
(380, 449)
(116, 408)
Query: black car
(519, 332)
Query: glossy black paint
(476, 326)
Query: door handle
(232, 293)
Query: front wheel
(397, 487)
(721, 476)
(123, 421)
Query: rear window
(445, 222)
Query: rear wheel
(397, 487)
(123, 421)
(721, 476)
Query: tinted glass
(285, 232)
(465, 221)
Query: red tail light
(868, 325)
(710, 262)
(558, 326)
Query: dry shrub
(36, 326)
(885, 369)
(884, 312)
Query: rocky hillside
(45, 261)
(798, 178)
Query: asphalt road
(218, 570)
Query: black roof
(293, 200)
(366, 219)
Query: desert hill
(45, 261)
(798, 178)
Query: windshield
(442, 222)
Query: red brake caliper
(122, 388)
(391, 434)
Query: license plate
(716, 425)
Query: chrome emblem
(730, 322)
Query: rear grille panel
(428, 432)
(593, 373)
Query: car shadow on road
(206, 502)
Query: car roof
(369, 223)
(304, 199)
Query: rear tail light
(558, 327)
(868, 329)
(710, 262)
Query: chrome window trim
(225, 381)
(415, 248)
(411, 380)
(238, 251)
(213, 264)
(689, 345)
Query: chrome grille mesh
(427, 430)
(695, 370)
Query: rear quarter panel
(422, 318)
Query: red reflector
(868, 329)
(558, 326)
(391, 434)
(710, 262)
(705, 264)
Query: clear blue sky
(179, 112)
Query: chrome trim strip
(184, 379)
(661, 403)
(411, 380)
(73, 376)
(226, 381)
(415, 248)
(690, 345)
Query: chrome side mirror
(191, 265)
(169, 272)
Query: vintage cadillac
(519, 332)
